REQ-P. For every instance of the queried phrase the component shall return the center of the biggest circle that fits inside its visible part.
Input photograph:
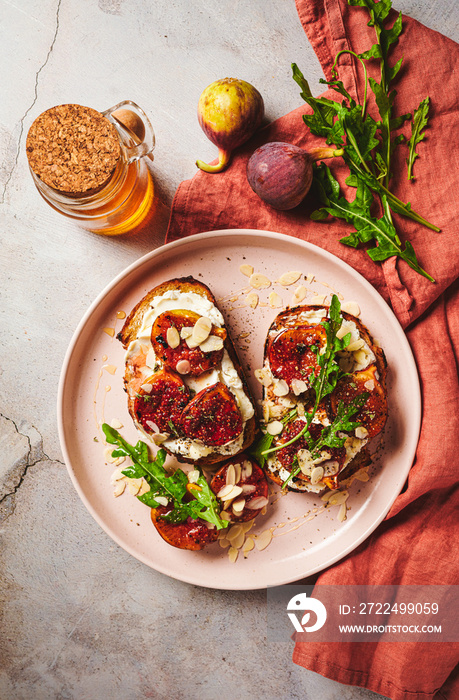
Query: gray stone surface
(81, 619)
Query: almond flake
(280, 388)
(263, 540)
(231, 475)
(299, 386)
(225, 516)
(173, 337)
(134, 486)
(247, 525)
(258, 502)
(162, 500)
(238, 505)
(248, 488)
(351, 307)
(224, 543)
(289, 278)
(183, 367)
(299, 295)
(147, 387)
(193, 476)
(201, 330)
(249, 544)
(145, 487)
(238, 471)
(275, 427)
(236, 540)
(232, 554)
(150, 359)
(316, 475)
(342, 512)
(337, 498)
(246, 469)
(159, 438)
(229, 492)
(369, 385)
(119, 488)
(318, 299)
(186, 332)
(264, 376)
(361, 432)
(275, 301)
(246, 270)
(252, 300)
(356, 345)
(259, 281)
(117, 424)
(211, 344)
(360, 357)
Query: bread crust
(129, 333)
(291, 318)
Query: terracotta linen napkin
(415, 543)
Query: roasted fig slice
(187, 342)
(191, 534)
(291, 354)
(212, 416)
(250, 488)
(160, 401)
(373, 414)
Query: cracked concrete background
(80, 618)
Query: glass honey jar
(91, 166)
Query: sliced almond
(162, 500)
(361, 357)
(233, 554)
(246, 469)
(342, 513)
(211, 344)
(299, 294)
(147, 387)
(183, 367)
(318, 299)
(369, 385)
(351, 307)
(289, 278)
(264, 376)
(316, 475)
(355, 345)
(120, 487)
(343, 330)
(173, 337)
(238, 471)
(193, 476)
(224, 543)
(228, 492)
(249, 544)
(159, 438)
(252, 300)
(201, 330)
(145, 488)
(134, 486)
(299, 386)
(259, 281)
(275, 427)
(117, 424)
(280, 388)
(361, 432)
(246, 270)
(186, 332)
(248, 488)
(256, 503)
(338, 497)
(231, 475)
(238, 505)
(275, 301)
(225, 516)
(263, 540)
(150, 359)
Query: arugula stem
(334, 72)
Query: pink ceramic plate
(306, 538)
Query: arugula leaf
(367, 227)
(261, 447)
(368, 144)
(341, 423)
(174, 487)
(420, 119)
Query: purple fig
(229, 112)
(281, 173)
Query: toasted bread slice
(141, 363)
(365, 364)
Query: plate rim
(416, 417)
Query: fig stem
(323, 153)
(223, 160)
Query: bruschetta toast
(185, 386)
(296, 340)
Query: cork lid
(73, 149)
